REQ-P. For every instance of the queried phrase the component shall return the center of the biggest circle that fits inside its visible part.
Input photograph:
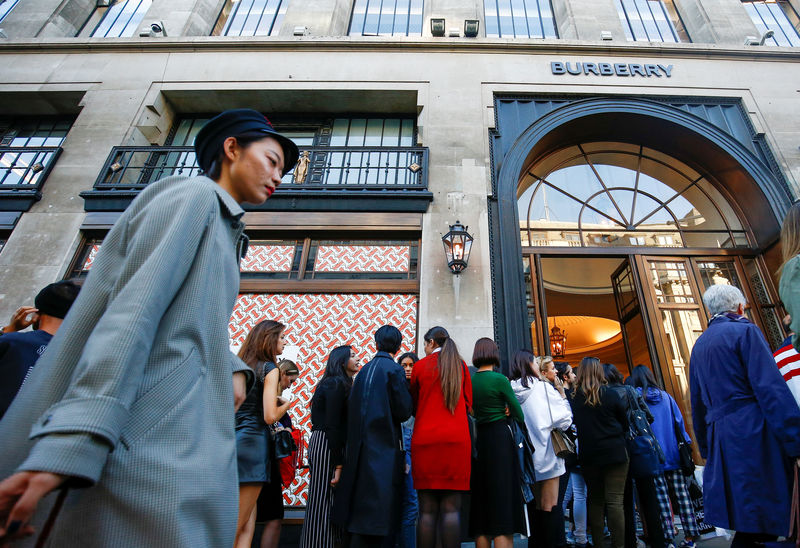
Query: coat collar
(228, 203)
(382, 354)
(728, 317)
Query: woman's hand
(19, 496)
(559, 384)
(337, 474)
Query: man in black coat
(367, 500)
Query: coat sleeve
(789, 289)
(699, 409)
(562, 412)
(75, 435)
(336, 415)
(774, 397)
(399, 396)
(676, 412)
(514, 408)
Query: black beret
(239, 121)
(56, 299)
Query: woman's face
(281, 343)
(549, 372)
(287, 381)
(534, 367)
(408, 365)
(352, 365)
(255, 170)
(429, 347)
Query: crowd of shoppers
(153, 433)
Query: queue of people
(137, 395)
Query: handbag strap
(51, 519)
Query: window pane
(387, 18)
(779, 17)
(519, 18)
(6, 7)
(122, 19)
(650, 20)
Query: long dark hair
(337, 367)
(612, 374)
(448, 367)
(261, 344)
(561, 370)
(643, 378)
(412, 355)
(521, 367)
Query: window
(777, 16)
(122, 19)
(620, 195)
(29, 148)
(651, 21)
(250, 18)
(386, 18)
(519, 19)
(6, 6)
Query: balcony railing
(23, 171)
(401, 172)
(133, 168)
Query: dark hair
(449, 365)
(214, 170)
(388, 339)
(643, 378)
(261, 344)
(337, 367)
(485, 353)
(561, 370)
(521, 366)
(413, 356)
(613, 376)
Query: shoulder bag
(563, 446)
(684, 448)
(643, 450)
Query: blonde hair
(790, 235)
(590, 379)
(546, 362)
(286, 367)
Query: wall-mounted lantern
(457, 245)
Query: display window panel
(779, 17)
(121, 19)
(315, 325)
(651, 21)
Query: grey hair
(723, 298)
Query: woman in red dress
(440, 446)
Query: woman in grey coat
(131, 408)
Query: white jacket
(534, 399)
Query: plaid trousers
(671, 484)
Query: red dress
(440, 445)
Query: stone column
(28, 19)
(587, 19)
(716, 21)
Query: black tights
(439, 516)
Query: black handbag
(283, 444)
(684, 448)
(643, 450)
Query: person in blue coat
(367, 500)
(746, 423)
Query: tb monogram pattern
(318, 323)
(362, 258)
(87, 265)
(268, 258)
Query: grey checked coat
(134, 395)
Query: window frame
(791, 18)
(231, 8)
(5, 11)
(524, 18)
(668, 10)
(123, 33)
(394, 32)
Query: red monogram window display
(316, 324)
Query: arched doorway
(622, 213)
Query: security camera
(753, 41)
(768, 34)
(156, 28)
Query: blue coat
(747, 426)
(367, 500)
(665, 411)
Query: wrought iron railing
(25, 168)
(357, 168)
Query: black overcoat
(367, 500)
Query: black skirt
(496, 508)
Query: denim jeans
(578, 505)
(410, 510)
